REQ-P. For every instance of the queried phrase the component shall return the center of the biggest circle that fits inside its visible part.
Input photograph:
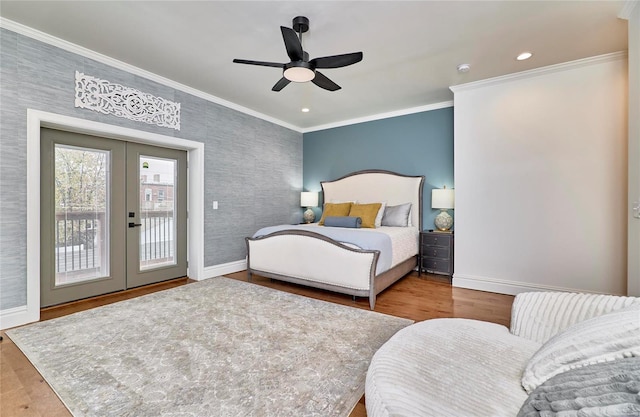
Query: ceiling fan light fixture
(299, 72)
(300, 69)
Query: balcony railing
(79, 236)
(156, 239)
(77, 240)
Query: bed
(328, 258)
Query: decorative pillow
(367, 212)
(397, 215)
(378, 221)
(344, 221)
(603, 338)
(334, 209)
(604, 389)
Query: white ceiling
(411, 48)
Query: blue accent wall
(414, 144)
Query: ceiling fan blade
(292, 43)
(336, 61)
(280, 84)
(323, 82)
(260, 63)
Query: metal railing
(79, 239)
(156, 238)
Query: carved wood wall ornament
(110, 98)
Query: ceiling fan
(301, 69)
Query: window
(147, 194)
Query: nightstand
(436, 252)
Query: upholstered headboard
(373, 186)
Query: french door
(113, 215)
(156, 214)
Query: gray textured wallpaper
(253, 168)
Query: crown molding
(627, 9)
(380, 116)
(88, 53)
(615, 56)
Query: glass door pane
(157, 211)
(82, 181)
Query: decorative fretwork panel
(109, 98)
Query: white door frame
(195, 202)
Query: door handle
(135, 224)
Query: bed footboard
(312, 259)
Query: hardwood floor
(23, 392)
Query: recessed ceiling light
(463, 67)
(523, 56)
(305, 110)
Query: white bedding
(404, 241)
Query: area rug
(219, 347)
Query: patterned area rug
(219, 347)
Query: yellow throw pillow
(367, 212)
(334, 209)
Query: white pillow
(603, 338)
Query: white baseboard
(501, 286)
(17, 316)
(222, 269)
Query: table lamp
(443, 199)
(308, 200)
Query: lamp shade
(442, 198)
(308, 199)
